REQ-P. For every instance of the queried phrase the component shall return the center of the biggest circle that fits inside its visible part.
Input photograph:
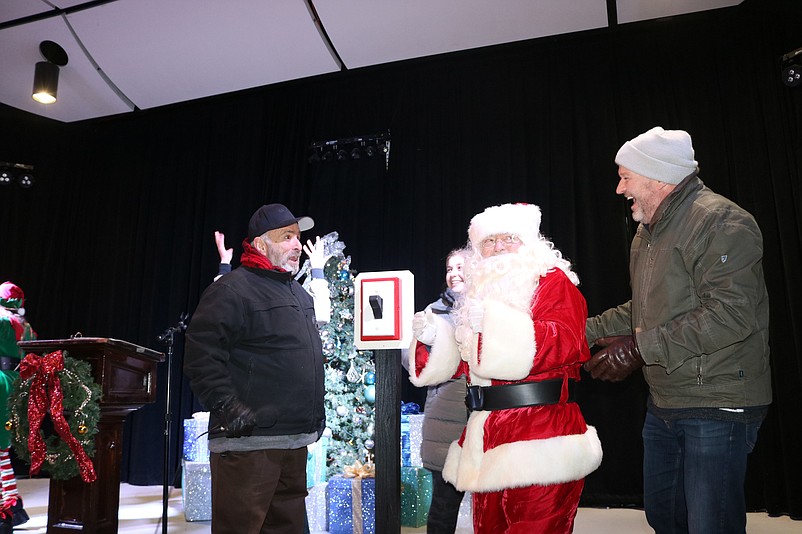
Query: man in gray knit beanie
(663, 156)
(697, 328)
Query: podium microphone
(180, 327)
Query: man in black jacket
(254, 357)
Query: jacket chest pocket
(280, 322)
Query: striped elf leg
(7, 480)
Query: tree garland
(81, 410)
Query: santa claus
(520, 340)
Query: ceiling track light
(363, 147)
(45, 76)
(792, 68)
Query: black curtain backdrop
(116, 237)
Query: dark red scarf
(253, 258)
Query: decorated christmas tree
(350, 373)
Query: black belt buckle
(474, 398)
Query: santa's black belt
(518, 395)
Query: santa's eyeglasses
(489, 243)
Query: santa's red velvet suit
(525, 465)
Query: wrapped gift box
(409, 409)
(411, 437)
(465, 516)
(196, 444)
(351, 505)
(415, 438)
(196, 491)
(316, 462)
(405, 446)
(416, 496)
(317, 509)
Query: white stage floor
(141, 513)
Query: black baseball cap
(272, 216)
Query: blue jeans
(693, 474)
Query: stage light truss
(791, 64)
(20, 174)
(350, 148)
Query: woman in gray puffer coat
(444, 415)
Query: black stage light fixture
(6, 175)
(792, 68)
(45, 77)
(362, 147)
(25, 180)
(18, 173)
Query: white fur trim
(525, 463)
(522, 220)
(462, 465)
(508, 343)
(443, 360)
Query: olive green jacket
(699, 308)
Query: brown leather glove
(617, 360)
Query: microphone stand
(167, 337)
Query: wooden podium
(126, 374)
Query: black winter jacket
(254, 335)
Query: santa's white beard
(510, 278)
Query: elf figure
(13, 328)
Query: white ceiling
(129, 54)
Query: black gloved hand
(238, 419)
(617, 360)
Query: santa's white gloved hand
(476, 316)
(423, 327)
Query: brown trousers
(259, 492)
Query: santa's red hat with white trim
(522, 220)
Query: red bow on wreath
(46, 396)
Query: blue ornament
(370, 378)
(344, 274)
(370, 393)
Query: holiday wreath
(62, 388)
